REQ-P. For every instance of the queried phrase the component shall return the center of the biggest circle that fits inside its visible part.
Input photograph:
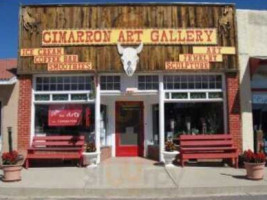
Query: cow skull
(129, 58)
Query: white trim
(161, 118)
(225, 103)
(11, 81)
(97, 117)
(32, 133)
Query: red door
(129, 128)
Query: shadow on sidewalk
(236, 176)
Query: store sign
(259, 98)
(65, 115)
(187, 65)
(129, 36)
(56, 60)
(42, 52)
(200, 58)
(64, 66)
(215, 50)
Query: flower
(169, 146)
(10, 158)
(251, 157)
(90, 147)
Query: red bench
(207, 147)
(56, 147)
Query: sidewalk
(132, 177)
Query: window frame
(89, 93)
(112, 75)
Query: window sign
(259, 98)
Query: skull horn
(120, 48)
(139, 48)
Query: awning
(9, 81)
(8, 71)
(255, 62)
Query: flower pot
(12, 173)
(169, 157)
(90, 159)
(255, 171)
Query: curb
(20, 193)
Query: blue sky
(9, 17)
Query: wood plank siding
(105, 58)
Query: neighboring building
(252, 39)
(76, 78)
(9, 89)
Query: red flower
(251, 157)
(10, 158)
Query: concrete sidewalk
(132, 177)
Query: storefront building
(128, 77)
(252, 29)
(9, 90)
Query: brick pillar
(24, 112)
(233, 108)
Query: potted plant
(90, 155)
(12, 166)
(254, 164)
(170, 153)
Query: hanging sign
(129, 36)
(65, 115)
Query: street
(238, 197)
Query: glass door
(129, 129)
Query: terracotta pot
(12, 173)
(255, 171)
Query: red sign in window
(65, 115)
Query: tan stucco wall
(9, 98)
(252, 42)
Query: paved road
(247, 197)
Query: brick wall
(24, 112)
(233, 108)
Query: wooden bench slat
(61, 143)
(209, 156)
(51, 156)
(206, 137)
(53, 149)
(206, 148)
(53, 138)
(206, 143)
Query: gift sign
(65, 115)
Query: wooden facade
(105, 58)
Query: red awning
(255, 62)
